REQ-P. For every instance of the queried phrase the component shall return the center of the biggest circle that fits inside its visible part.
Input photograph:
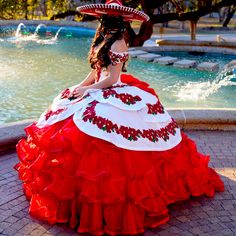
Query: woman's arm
(88, 80)
(109, 81)
(117, 46)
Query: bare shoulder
(119, 46)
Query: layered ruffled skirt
(98, 187)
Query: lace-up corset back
(116, 57)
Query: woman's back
(118, 53)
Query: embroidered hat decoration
(114, 8)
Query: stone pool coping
(187, 48)
(189, 119)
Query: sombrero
(115, 8)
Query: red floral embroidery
(71, 98)
(118, 57)
(115, 86)
(155, 108)
(129, 133)
(115, 58)
(124, 97)
(65, 93)
(52, 113)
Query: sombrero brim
(129, 14)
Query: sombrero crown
(115, 8)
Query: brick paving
(198, 216)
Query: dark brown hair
(114, 26)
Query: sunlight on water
(201, 90)
(183, 88)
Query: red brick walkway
(201, 216)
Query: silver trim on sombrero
(112, 7)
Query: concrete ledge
(197, 119)
(165, 42)
(149, 57)
(165, 60)
(177, 48)
(208, 66)
(11, 133)
(185, 63)
(135, 53)
(205, 119)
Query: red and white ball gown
(111, 161)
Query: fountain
(27, 37)
(38, 28)
(57, 33)
(201, 90)
(52, 40)
(18, 33)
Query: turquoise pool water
(33, 70)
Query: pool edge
(187, 119)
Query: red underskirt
(97, 187)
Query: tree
(15, 9)
(167, 10)
(8, 9)
(183, 10)
(230, 13)
(159, 11)
(26, 9)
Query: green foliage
(8, 9)
(28, 9)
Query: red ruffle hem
(97, 187)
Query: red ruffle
(99, 188)
(133, 81)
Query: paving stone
(182, 218)
(148, 57)
(196, 216)
(233, 229)
(196, 230)
(208, 66)
(10, 231)
(37, 232)
(12, 219)
(4, 225)
(185, 63)
(227, 232)
(166, 60)
(135, 53)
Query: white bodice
(116, 57)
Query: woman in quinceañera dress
(106, 157)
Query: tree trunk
(229, 16)
(25, 7)
(193, 29)
(43, 7)
(191, 15)
(144, 34)
(68, 13)
(182, 25)
(148, 7)
(220, 14)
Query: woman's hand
(78, 92)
